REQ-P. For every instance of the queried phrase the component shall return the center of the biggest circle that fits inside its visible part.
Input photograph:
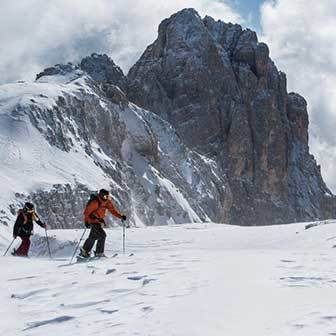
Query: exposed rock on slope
(74, 138)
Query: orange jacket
(97, 209)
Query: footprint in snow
(60, 319)
(147, 281)
(131, 272)
(299, 326)
(295, 278)
(107, 311)
(125, 263)
(329, 318)
(294, 281)
(148, 309)
(112, 325)
(28, 294)
(24, 278)
(177, 295)
(136, 277)
(120, 290)
(84, 304)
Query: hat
(28, 207)
(103, 192)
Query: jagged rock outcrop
(61, 70)
(102, 69)
(216, 84)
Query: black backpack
(93, 197)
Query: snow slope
(27, 161)
(194, 279)
(65, 131)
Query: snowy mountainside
(64, 136)
(194, 279)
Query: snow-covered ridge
(64, 135)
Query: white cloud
(39, 33)
(302, 40)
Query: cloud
(302, 40)
(38, 33)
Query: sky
(300, 34)
(249, 11)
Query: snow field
(193, 279)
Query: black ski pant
(96, 233)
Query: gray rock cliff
(216, 84)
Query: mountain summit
(216, 84)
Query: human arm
(38, 221)
(113, 210)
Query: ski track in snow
(194, 279)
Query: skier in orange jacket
(94, 215)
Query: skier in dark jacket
(94, 215)
(23, 228)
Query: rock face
(102, 69)
(215, 83)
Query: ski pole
(124, 233)
(9, 246)
(48, 243)
(77, 246)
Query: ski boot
(84, 254)
(99, 255)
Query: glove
(44, 225)
(123, 217)
(87, 225)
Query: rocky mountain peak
(183, 18)
(216, 84)
(102, 69)
(66, 70)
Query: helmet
(28, 207)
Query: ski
(82, 259)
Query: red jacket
(97, 209)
